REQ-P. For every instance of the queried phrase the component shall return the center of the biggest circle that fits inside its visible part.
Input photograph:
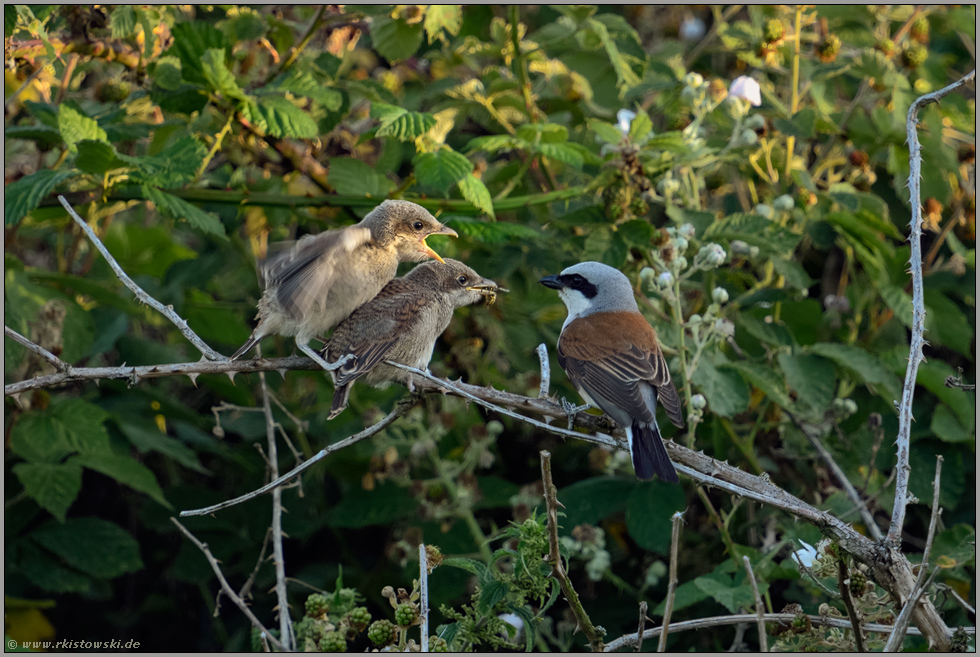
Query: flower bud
(666, 279)
(693, 80)
(694, 319)
(679, 263)
(748, 138)
(755, 122)
(698, 401)
(783, 203)
(764, 210)
(686, 230)
(668, 186)
(681, 244)
(647, 276)
(719, 295)
(739, 247)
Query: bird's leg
(571, 409)
(329, 367)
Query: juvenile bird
(319, 281)
(612, 357)
(402, 324)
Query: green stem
(218, 138)
(512, 183)
(682, 355)
(293, 56)
(722, 529)
(795, 91)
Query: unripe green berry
(359, 618)
(381, 632)
(886, 47)
(914, 56)
(333, 642)
(438, 644)
(317, 605)
(719, 295)
(773, 30)
(829, 48)
(783, 203)
(405, 614)
(920, 30)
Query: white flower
(625, 118)
(747, 88)
(806, 556)
(686, 230)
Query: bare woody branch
(677, 521)
(760, 609)
(918, 306)
(141, 294)
(226, 587)
(58, 364)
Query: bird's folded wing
(371, 332)
(302, 275)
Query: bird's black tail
(649, 454)
(251, 342)
(339, 403)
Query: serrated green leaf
(469, 565)
(147, 439)
(126, 471)
(304, 84)
(947, 323)
(350, 176)
(9, 20)
(648, 512)
(328, 63)
(75, 127)
(24, 195)
(768, 333)
(442, 169)
(756, 230)
(50, 573)
(498, 232)
(167, 73)
(401, 124)
(246, 25)
(570, 153)
(900, 303)
(280, 118)
(932, 376)
(97, 157)
(394, 39)
(794, 274)
(590, 500)
(859, 362)
(958, 543)
(686, 595)
(122, 21)
(474, 191)
(545, 133)
(54, 486)
(442, 17)
(492, 591)
(812, 377)
(728, 595)
(180, 210)
(94, 546)
(191, 40)
(607, 132)
(381, 506)
(40, 133)
(640, 127)
(67, 426)
(947, 427)
(765, 380)
(726, 391)
(495, 144)
(801, 126)
(217, 76)
(186, 99)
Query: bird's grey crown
(613, 289)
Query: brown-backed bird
(611, 354)
(402, 324)
(322, 279)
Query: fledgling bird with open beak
(402, 324)
(322, 279)
(611, 355)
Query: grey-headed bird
(402, 324)
(612, 357)
(322, 279)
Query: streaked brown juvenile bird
(322, 279)
(402, 324)
(611, 355)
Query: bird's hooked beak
(445, 230)
(488, 289)
(552, 282)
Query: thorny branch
(918, 306)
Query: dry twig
(760, 610)
(676, 521)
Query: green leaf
(546, 133)
(362, 508)
(328, 63)
(50, 573)
(441, 169)
(280, 118)
(607, 132)
(958, 544)
(726, 593)
(801, 126)
(591, 500)
(177, 163)
(54, 486)
(812, 377)
(304, 84)
(947, 323)
(765, 380)
(394, 39)
(793, 272)
(191, 40)
(246, 25)
(9, 20)
(859, 362)
(726, 391)
(498, 232)
(625, 75)
(640, 127)
(932, 375)
(947, 426)
(67, 426)
(401, 124)
(686, 595)
(97, 157)
(755, 230)
(178, 209)
(167, 73)
(474, 191)
(150, 438)
(44, 135)
(469, 565)
(648, 513)
(356, 178)
(126, 471)
(766, 332)
(442, 17)
(75, 127)
(217, 76)
(491, 592)
(94, 546)
(122, 21)
(23, 196)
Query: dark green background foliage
(190, 138)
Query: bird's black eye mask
(580, 283)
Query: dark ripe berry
(914, 56)
(858, 159)
(773, 30)
(381, 632)
(829, 48)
